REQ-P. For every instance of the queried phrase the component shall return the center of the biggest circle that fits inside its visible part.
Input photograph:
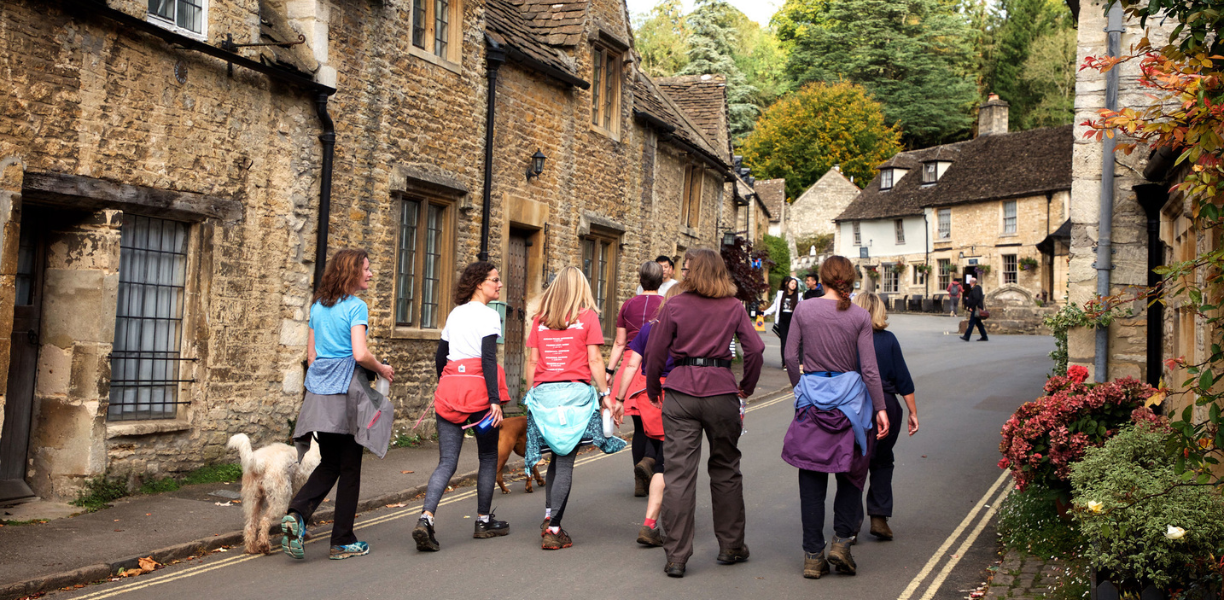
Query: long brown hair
(838, 273)
(342, 277)
(707, 274)
(474, 275)
(565, 299)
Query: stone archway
(1010, 295)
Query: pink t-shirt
(637, 311)
(563, 353)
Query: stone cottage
(169, 192)
(813, 214)
(979, 207)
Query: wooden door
(23, 362)
(515, 278)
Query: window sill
(691, 232)
(432, 58)
(413, 333)
(170, 26)
(604, 132)
(121, 429)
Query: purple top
(693, 326)
(637, 311)
(833, 340)
(639, 345)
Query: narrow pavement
(946, 481)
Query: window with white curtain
(1009, 217)
(187, 17)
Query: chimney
(992, 116)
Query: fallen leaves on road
(397, 505)
(223, 503)
(144, 565)
(406, 472)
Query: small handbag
(777, 330)
(983, 314)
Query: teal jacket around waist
(562, 415)
(845, 392)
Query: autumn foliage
(802, 136)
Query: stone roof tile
(773, 194)
(650, 98)
(506, 25)
(704, 99)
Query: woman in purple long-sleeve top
(695, 329)
(835, 399)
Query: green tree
(712, 41)
(761, 58)
(779, 253)
(662, 39)
(914, 56)
(1049, 73)
(808, 131)
(1021, 24)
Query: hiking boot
(880, 528)
(544, 526)
(674, 569)
(642, 472)
(423, 535)
(293, 530)
(814, 565)
(839, 556)
(733, 555)
(556, 541)
(650, 537)
(349, 551)
(491, 528)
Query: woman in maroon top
(695, 329)
(634, 313)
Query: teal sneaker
(293, 539)
(349, 550)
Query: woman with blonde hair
(835, 400)
(563, 407)
(895, 377)
(703, 398)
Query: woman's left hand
(617, 409)
(496, 411)
(913, 423)
(882, 424)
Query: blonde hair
(566, 297)
(672, 292)
(707, 274)
(875, 307)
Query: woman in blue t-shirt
(335, 346)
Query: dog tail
(242, 443)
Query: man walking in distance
(669, 272)
(973, 303)
(954, 294)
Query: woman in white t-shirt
(471, 389)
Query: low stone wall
(1010, 312)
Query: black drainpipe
(495, 57)
(1152, 197)
(328, 137)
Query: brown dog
(513, 438)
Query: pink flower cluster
(1043, 437)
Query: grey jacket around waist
(362, 413)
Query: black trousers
(879, 490)
(340, 459)
(784, 321)
(974, 320)
(847, 507)
(641, 446)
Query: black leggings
(450, 443)
(784, 321)
(641, 447)
(339, 460)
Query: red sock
(649, 523)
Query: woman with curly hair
(335, 394)
(835, 399)
(471, 390)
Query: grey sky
(757, 10)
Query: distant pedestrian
(835, 400)
(814, 289)
(635, 313)
(471, 390)
(566, 344)
(954, 294)
(703, 398)
(973, 303)
(669, 273)
(895, 379)
(335, 393)
(632, 384)
(783, 307)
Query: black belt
(703, 362)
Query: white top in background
(466, 326)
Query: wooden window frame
(605, 248)
(886, 179)
(1015, 218)
(944, 233)
(919, 278)
(605, 100)
(171, 23)
(944, 265)
(1011, 272)
(930, 173)
(690, 204)
(899, 231)
(890, 280)
(452, 31)
(412, 316)
(858, 233)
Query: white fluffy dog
(270, 476)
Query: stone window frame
(606, 103)
(944, 266)
(171, 24)
(858, 233)
(413, 327)
(886, 180)
(604, 246)
(1014, 218)
(452, 57)
(1011, 272)
(690, 202)
(944, 225)
(899, 231)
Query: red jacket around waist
(461, 390)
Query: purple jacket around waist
(822, 440)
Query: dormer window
(886, 179)
(930, 172)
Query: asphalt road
(946, 484)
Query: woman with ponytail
(836, 397)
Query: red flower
(1078, 373)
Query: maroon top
(692, 326)
(635, 312)
(833, 340)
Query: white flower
(1175, 533)
(1095, 506)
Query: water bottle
(608, 425)
(743, 409)
(382, 386)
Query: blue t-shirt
(333, 337)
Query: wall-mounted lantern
(537, 165)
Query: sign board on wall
(863, 252)
(973, 262)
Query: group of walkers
(669, 371)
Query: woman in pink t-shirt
(565, 341)
(634, 313)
